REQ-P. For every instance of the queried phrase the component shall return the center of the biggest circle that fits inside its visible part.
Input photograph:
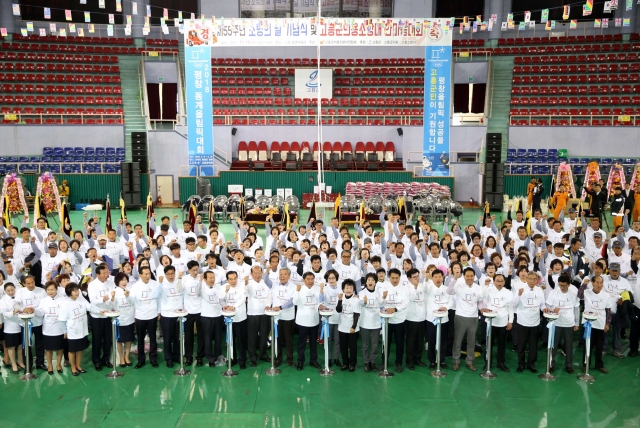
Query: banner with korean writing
(437, 105)
(199, 108)
(326, 31)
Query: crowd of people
(421, 276)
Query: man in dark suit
(579, 262)
(629, 197)
(598, 200)
(537, 195)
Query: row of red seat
(162, 42)
(305, 147)
(312, 112)
(542, 59)
(74, 39)
(60, 121)
(51, 89)
(578, 78)
(565, 49)
(576, 100)
(29, 99)
(572, 122)
(55, 68)
(382, 81)
(628, 111)
(60, 78)
(343, 102)
(117, 50)
(572, 69)
(43, 57)
(248, 81)
(342, 62)
(565, 90)
(66, 111)
(565, 39)
(248, 71)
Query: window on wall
(302, 8)
(173, 7)
(459, 8)
(34, 11)
(556, 8)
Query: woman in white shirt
(53, 330)
(9, 310)
(349, 309)
(74, 314)
(124, 303)
(371, 301)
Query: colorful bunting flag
(118, 6)
(47, 13)
(626, 22)
(148, 10)
(3, 33)
(92, 28)
(605, 22)
(589, 5)
(72, 28)
(475, 26)
(532, 24)
(43, 32)
(110, 30)
(573, 25)
(607, 7)
(478, 18)
(545, 16)
(101, 4)
(134, 8)
(521, 26)
(547, 25)
(67, 15)
(30, 27)
(165, 13)
(52, 27)
(63, 32)
(503, 26)
(24, 33)
(596, 23)
(80, 31)
(111, 18)
(16, 9)
(87, 17)
(618, 22)
(629, 5)
(565, 12)
(527, 16)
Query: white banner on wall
(254, 5)
(328, 31)
(307, 83)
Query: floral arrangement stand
(591, 177)
(616, 178)
(13, 196)
(564, 177)
(47, 189)
(635, 179)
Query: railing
(459, 52)
(350, 119)
(145, 54)
(83, 117)
(453, 156)
(181, 97)
(42, 166)
(198, 170)
(616, 120)
(144, 100)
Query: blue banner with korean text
(437, 111)
(199, 104)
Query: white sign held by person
(308, 84)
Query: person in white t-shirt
(307, 299)
(499, 300)
(349, 309)
(563, 300)
(528, 301)
(371, 301)
(598, 302)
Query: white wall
(598, 141)
(29, 140)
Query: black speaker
(131, 199)
(400, 132)
(494, 178)
(372, 167)
(233, 131)
(130, 176)
(495, 200)
(139, 151)
(138, 136)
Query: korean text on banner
(199, 109)
(437, 90)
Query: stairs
(501, 76)
(134, 121)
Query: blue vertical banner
(437, 111)
(199, 104)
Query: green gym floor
(156, 398)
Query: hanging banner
(134, 8)
(545, 16)
(437, 105)
(565, 13)
(199, 110)
(305, 32)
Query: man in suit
(629, 198)
(537, 195)
(598, 200)
(579, 261)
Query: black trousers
(597, 342)
(634, 334)
(415, 340)
(258, 327)
(499, 335)
(349, 348)
(397, 332)
(100, 340)
(37, 334)
(285, 339)
(193, 320)
(212, 328)
(527, 336)
(240, 341)
(305, 333)
(144, 327)
(170, 327)
(432, 333)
